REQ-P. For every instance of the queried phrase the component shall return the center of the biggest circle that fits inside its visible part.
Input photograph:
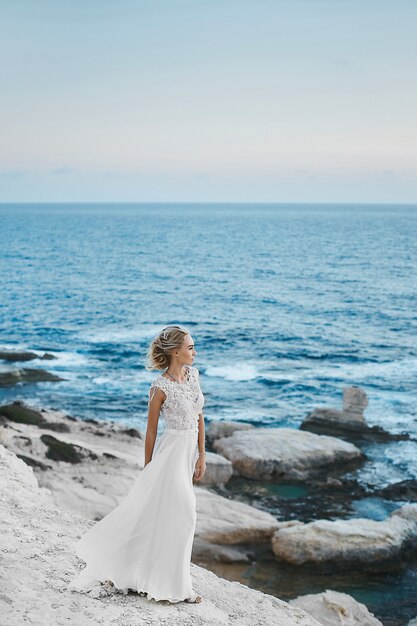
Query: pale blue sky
(275, 101)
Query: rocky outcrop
(355, 543)
(224, 521)
(350, 421)
(78, 462)
(285, 453)
(217, 430)
(332, 608)
(227, 529)
(218, 470)
(26, 375)
(23, 355)
(38, 561)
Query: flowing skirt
(145, 543)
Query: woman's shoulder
(160, 381)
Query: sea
(287, 305)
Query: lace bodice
(183, 402)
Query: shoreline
(95, 452)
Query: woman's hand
(200, 467)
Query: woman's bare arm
(201, 434)
(154, 407)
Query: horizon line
(174, 202)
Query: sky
(208, 101)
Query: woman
(145, 543)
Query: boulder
(224, 521)
(285, 453)
(26, 375)
(350, 421)
(17, 411)
(218, 470)
(23, 355)
(217, 430)
(358, 543)
(332, 608)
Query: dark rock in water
(18, 412)
(405, 490)
(20, 355)
(27, 375)
(91, 421)
(34, 462)
(348, 423)
(62, 451)
(352, 432)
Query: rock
(133, 432)
(38, 562)
(61, 451)
(218, 470)
(285, 453)
(404, 490)
(34, 462)
(27, 375)
(332, 608)
(355, 402)
(219, 553)
(86, 459)
(19, 412)
(58, 427)
(355, 543)
(224, 521)
(217, 430)
(348, 422)
(22, 355)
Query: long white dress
(145, 543)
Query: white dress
(145, 543)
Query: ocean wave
(388, 464)
(236, 372)
(65, 359)
(119, 335)
(392, 372)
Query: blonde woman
(145, 543)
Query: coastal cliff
(38, 562)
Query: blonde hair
(159, 351)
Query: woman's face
(187, 353)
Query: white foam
(66, 359)
(119, 335)
(237, 371)
(15, 347)
(390, 463)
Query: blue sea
(287, 305)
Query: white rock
(355, 542)
(283, 453)
(332, 608)
(218, 470)
(217, 430)
(220, 520)
(36, 543)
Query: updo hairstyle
(160, 349)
